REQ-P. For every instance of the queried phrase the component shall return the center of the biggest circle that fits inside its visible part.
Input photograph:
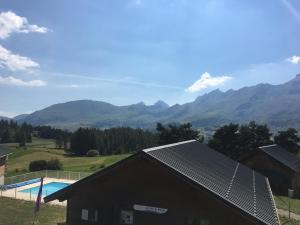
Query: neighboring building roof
(228, 180)
(4, 151)
(283, 156)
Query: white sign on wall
(150, 209)
(84, 214)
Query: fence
(31, 195)
(58, 174)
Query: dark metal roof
(232, 181)
(283, 156)
(224, 178)
(4, 151)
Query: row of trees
(62, 137)
(236, 140)
(233, 140)
(111, 141)
(124, 140)
(10, 132)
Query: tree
(65, 142)
(173, 133)
(225, 140)
(59, 141)
(22, 140)
(288, 139)
(236, 140)
(253, 135)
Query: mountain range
(276, 105)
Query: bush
(102, 166)
(92, 153)
(37, 165)
(54, 164)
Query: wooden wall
(141, 182)
(280, 177)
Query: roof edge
(264, 146)
(273, 200)
(168, 145)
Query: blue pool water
(47, 188)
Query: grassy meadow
(282, 203)
(45, 149)
(19, 212)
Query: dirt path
(285, 213)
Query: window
(126, 217)
(84, 214)
(96, 216)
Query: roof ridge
(268, 145)
(168, 145)
(254, 193)
(232, 179)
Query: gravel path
(285, 213)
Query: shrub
(102, 166)
(37, 165)
(54, 164)
(92, 153)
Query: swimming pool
(47, 188)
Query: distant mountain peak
(216, 92)
(140, 104)
(161, 103)
(295, 79)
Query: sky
(128, 51)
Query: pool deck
(15, 192)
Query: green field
(282, 203)
(286, 221)
(45, 149)
(19, 212)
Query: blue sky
(127, 51)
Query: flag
(39, 197)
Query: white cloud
(205, 81)
(18, 82)
(15, 62)
(294, 59)
(12, 23)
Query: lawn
(19, 212)
(45, 149)
(282, 203)
(286, 221)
